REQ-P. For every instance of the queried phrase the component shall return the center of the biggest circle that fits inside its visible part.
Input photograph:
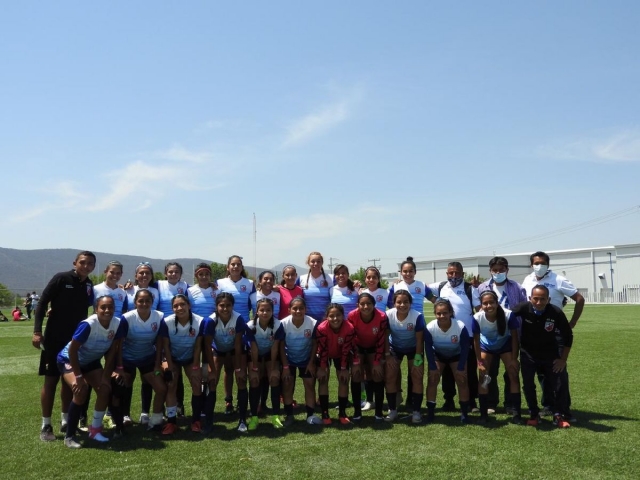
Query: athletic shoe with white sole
(365, 406)
(416, 418)
(126, 421)
(46, 434)
(242, 427)
(95, 433)
(314, 420)
(144, 419)
(71, 443)
(392, 416)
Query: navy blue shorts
(447, 360)
(144, 368)
(64, 368)
(506, 348)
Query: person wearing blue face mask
(465, 300)
(541, 349)
(509, 293)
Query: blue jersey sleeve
(123, 329)
(390, 297)
(475, 328)
(164, 330)
(314, 335)
(125, 304)
(428, 350)
(210, 327)
(513, 323)
(82, 332)
(464, 349)
(420, 325)
(279, 335)
(428, 294)
(203, 328)
(241, 325)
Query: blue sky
(359, 129)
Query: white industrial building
(602, 274)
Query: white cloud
(181, 154)
(623, 146)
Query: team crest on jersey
(549, 326)
(378, 298)
(192, 332)
(324, 283)
(154, 326)
(243, 288)
(340, 340)
(120, 296)
(272, 337)
(180, 291)
(213, 294)
(349, 292)
(418, 290)
(275, 301)
(410, 327)
(374, 330)
(232, 331)
(454, 338)
(111, 334)
(307, 333)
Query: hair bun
(409, 259)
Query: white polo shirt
(558, 286)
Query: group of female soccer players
(175, 335)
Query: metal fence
(629, 294)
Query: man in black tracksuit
(69, 295)
(539, 349)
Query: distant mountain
(23, 271)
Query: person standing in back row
(69, 294)
(559, 287)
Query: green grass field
(605, 443)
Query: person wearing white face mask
(509, 293)
(559, 287)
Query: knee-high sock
(254, 399)
(356, 393)
(243, 400)
(275, 400)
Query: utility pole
(331, 264)
(374, 260)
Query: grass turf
(605, 442)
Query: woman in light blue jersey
(344, 291)
(170, 287)
(316, 284)
(202, 296)
(113, 274)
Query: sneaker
(314, 420)
(560, 422)
(449, 406)
(71, 443)
(430, 418)
(491, 411)
(206, 428)
(345, 421)
(288, 421)
(516, 419)
(546, 412)
(82, 425)
(365, 406)
(180, 412)
(95, 433)
(196, 426)
(475, 410)
(242, 426)
(276, 422)
(117, 433)
(144, 419)
(356, 419)
(465, 420)
(392, 416)
(416, 418)
(63, 427)
(378, 419)
(326, 420)
(253, 423)
(47, 435)
(126, 421)
(169, 429)
(570, 418)
(228, 408)
(533, 422)
(107, 423)
(510, 411)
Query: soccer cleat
(449, 406)
(276, 422)
(169, 429)
(430, 418)
(345, 421)
(570, 418)
(533, 422)
(560, 422)
(144, 418)
(95, 433)
(117, 433)
(180, 412)
(63, 427)
(206, 428)
(71, 443)
(546, 412)
(196, 426)
(365, 406)
(491, 411)
(228, 408)
(378, 419)
(516, 419)
(288, 421)
(253, 423)
(126, 421)
(326, 420)
(464, 419)
(82, 425)
(46, 434)
(510, 410)
(314, 420)
(416, 418)
(107, 423)
(356, 419)
(391, 416)
(242, 427)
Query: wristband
(78, 376)
(285, 367)
(195, 367)
(120, 367)
(254, 369)
(343, 369)
(417, 360)
(480, 363)
(356, 362)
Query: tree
(6, 296)
(97, 279)
(218, 270)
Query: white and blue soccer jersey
(381, 296)
(241, 291)
(120, 297)
(182, 338)
(224, 335)
(402, 336)
(266, 337)
(202, 300)
(418, 290)
(273, 296)
(297, 340)
(462, 309)
(345, 297)
(139, 346)
(316, 294)
(490, 339)
(95, 339)
(167, 292)
(446, 343)
(131, 295)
